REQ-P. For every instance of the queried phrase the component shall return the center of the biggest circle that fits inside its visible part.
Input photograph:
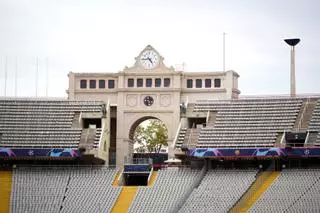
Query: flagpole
(5, 76)
(37, 70)
(224, 52)
(47, 77)
(16, 77)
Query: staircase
(278, 139)
(312, 140)
(97, 137)
(191, 137)
(5, 191)
(124, 200)
(181, 137)
(75, 120)
(305, 115)
(189, 110)
(261, 184)
(87, 138)
(211, 119)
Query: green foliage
(151, 138)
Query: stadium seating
(38, 189)
(167, 193)
(247, 122)
(91, 190)
(219, 191)
(295, 190)
(314, 124)
(63, 189)
(97, 138)
(41, 123)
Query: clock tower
(148, 90)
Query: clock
(149, 59)
(148, 101)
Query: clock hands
(148, 58)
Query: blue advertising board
(15, 153)
(255, 152)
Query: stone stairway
(305, 115)
(312, 140)
(191, 138)
(87, 139)
(75, 120)
(212, 119)
(278, 139)
(181, 137)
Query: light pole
(292, 42)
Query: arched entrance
(128, 122)
(148, 135)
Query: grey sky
(105, 36)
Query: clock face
(149, 59)
(148, 101)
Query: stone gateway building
(148, 89)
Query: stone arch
(128, 125)
(136, 124)
(133, 125)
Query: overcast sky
(105, 36)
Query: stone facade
(150, 89)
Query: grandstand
(237, 154)
(52, 128)
(230, 155)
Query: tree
(152, 137)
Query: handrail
(283, 137)
(103, 125)
(80, 117)
(191, 132)
(303, 111)
(177, 135)
(208, 115)
(150, 174)
(307, 138)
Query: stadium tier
(250, 123)
(219, 191)
(167, 193)
(89, 189)
(247, 123)
(295, 190)
(63, 189)
(40, 127)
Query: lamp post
(292, 42)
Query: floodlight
(292, 42)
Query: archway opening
(149, 138)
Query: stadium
(226, 153)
